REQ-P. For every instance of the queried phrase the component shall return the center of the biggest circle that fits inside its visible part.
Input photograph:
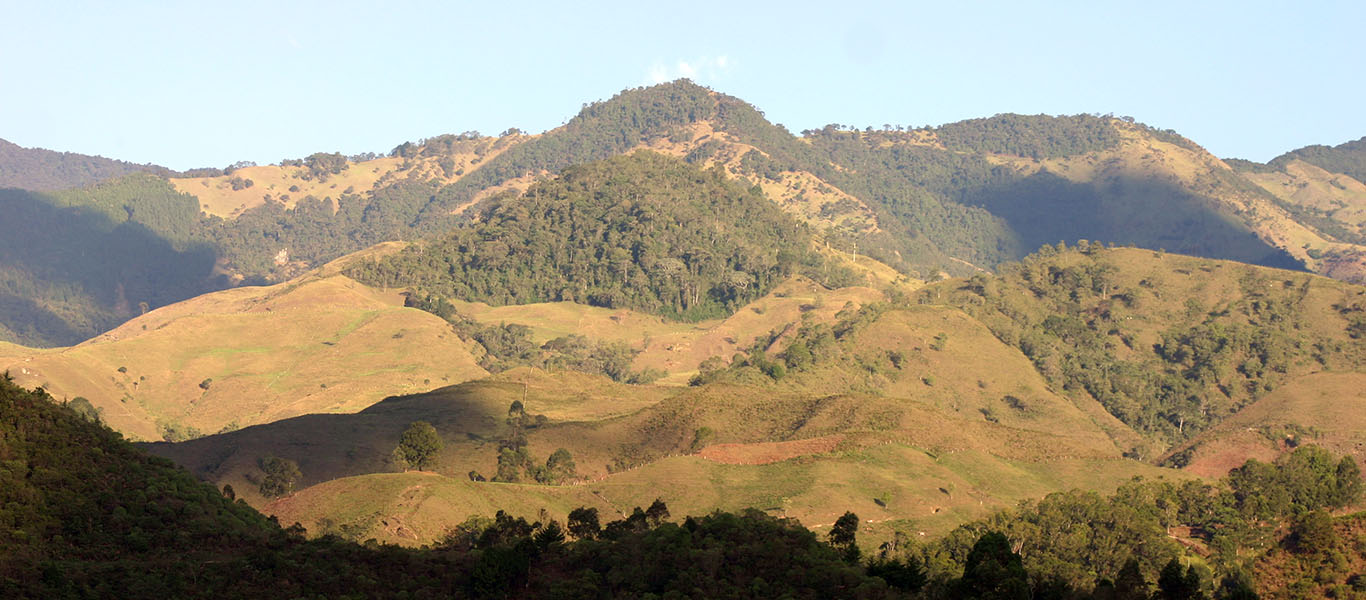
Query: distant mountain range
(951, 199)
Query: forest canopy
(641, 231)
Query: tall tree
(419, 445)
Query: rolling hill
(978, 427)
(1170, 345)
(321, 343)
(892, 459)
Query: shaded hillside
(77, 263)
(46, 170)
(642, 231)
(469, 415)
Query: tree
(281, 475)
(657, 513)
(1238, 585)
(84, 408)
(904, 575)
(1175, 583)
(583, 523)
(560, 465)
(993, 570)
(843, 535)
(550, 536)
(1130, 583)
(1349, 482)
(1314, 533)
(419, 445)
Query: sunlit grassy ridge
(888, 453)
(252, 355)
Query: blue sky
(187, 84)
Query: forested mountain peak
(643, 231)
(40, 169)
(1348, 158)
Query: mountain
(952, 199)
(1322, 188)
(45, 170)
(642, 231)
(1348, 158)
(672, 299)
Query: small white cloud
(657, 74)
(706, 68)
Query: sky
(194, 84)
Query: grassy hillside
(1170, 345)
(806, 454)
(251, 355)
(413, 508)
(1324, 409)
(444, 159)
(323, 343)
(1331, 203)
(678, 348)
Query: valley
(670, 300)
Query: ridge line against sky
(196, 84)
